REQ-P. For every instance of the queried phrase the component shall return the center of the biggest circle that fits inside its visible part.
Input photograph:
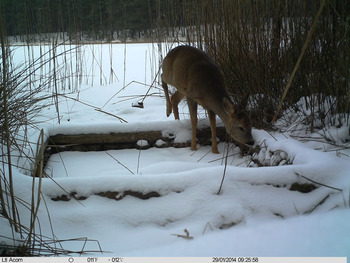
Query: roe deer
(196, 77)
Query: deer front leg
(214, 144)
(192, 106)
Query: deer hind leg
(214, 144)
(192, 106)
(175, 100)
(168, 101)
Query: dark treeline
(99, 19)
(106, 19)
(95, 19)
(112, 19)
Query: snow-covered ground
(255, 214)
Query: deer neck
(223, 116)
(217, 106)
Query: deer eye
(241, 128)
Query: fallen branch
(187, 236)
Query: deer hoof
(215, 151)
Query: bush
(257, 44)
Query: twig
(138, 159)
(331, 187)
(154, 81)
(38, 171)
(119, 162)
(208, 225)
(224, 174)
(319, 203)
(110, 114)
(94, 107)
(204, 156)
(187, 236)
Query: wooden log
(118, 140)
(69, 140)
(133, 137)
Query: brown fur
(196, 77)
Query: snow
(255, 213)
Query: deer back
(193, 73)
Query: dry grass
(257, 44)
(22, 99)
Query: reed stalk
(258, 43)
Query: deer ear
(243, 104)
(228, 106)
